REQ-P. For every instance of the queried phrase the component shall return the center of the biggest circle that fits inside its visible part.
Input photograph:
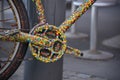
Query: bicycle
(47, 42)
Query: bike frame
(17, 35)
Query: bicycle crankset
(55, 36)
(57, 48)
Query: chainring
(57, 39)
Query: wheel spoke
(14, 24)
(8, 49)
(12, 27)
(5, 9)
(7, 54)
(5, 20)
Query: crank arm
(76, 52)
(16, 35)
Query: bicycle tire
(19, 10)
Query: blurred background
(108, 40)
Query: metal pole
(93, 34)
(72, 33)
(73, 26)
(2, 12)
(36, 70)
(93, 53)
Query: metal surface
(93, 35)
(36, 70)
(1, 13)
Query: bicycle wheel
(12, 15)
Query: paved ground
(113, 42)
(67, 75)
(77, 69)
